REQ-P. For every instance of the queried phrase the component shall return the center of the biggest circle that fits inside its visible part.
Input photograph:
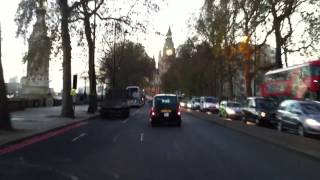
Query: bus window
(315, 70)
(305, 71)
(281, 76)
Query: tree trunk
(5, 122)
(92, 74)
(230, 78)
(247, 78)
(278, 36)
(67, 109)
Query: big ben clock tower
(168, 54)
(168, 48)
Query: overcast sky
(175, 14)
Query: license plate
(165, 110)
(166, 114)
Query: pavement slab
(33, 121)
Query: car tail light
(153, 113)
(179, 111)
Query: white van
(209, 103)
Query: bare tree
(5, 122)
(66, 10)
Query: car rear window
(166, 102)
(233, 104)
(266, 104)
(211, 100)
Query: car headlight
(230, 111)
(312, 122)
(182, 104)
(263, 114)
(217, 106)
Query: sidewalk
(34, 121)
(307, 146)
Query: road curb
(260, 137)
(18, 140)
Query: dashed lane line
(78, 137)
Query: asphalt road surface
(132, 150)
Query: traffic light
(75, 79)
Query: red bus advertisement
(296, 82)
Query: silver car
(301, 116)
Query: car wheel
(244, 119)
(279, 126)
(257, 121)
(153, 124)
(301, 131)
(178, 124)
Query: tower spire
(169, 33)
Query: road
(132, 150)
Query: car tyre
(153, 124)
(258, 122)
(301, 131)
(244, 119)
(279, 126)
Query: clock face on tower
(169, 52)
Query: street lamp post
(85, 87)
(114, 57)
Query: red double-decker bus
(296, 82)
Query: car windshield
(310, 108)
(211, 100)
(265, 104)
(197, 100)
(165, 101)
(233, 104)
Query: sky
(175, 14)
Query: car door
(246, 109)
(293, 115)
(283, 112)
(252, 110)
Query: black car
(301, 116)
(165, 110)
(115, 104)
(259, 110)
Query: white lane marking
(115, 175)
(17, 118)
(78, 137)
(141, 137)
(125, 121)
(115, 138)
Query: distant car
(209, 103)
(195, 103)
(259, 110)
(300, 116)
(230, 109)
(165, 110)
(183, 103)
(189, 104)
(115, 104)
